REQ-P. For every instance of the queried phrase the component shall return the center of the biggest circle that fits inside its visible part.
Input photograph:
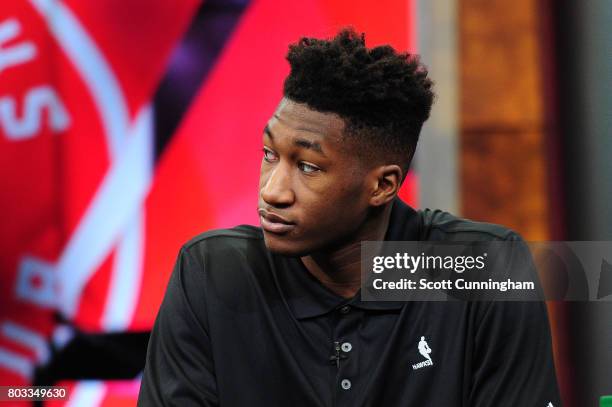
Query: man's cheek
(263, 177)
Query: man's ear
(386, 181)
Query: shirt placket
(345, 355)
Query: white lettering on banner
(15, 54)
(35, 282)
(26, 337)
(35, 102)
(109, 221)
(15, 363)
(19, 364)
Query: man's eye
(308, 168)
(269, 155)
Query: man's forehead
(299, 117)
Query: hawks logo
(425, 351)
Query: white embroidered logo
(424, 350)
(550, 404)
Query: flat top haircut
(383, 96)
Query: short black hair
(383, 96)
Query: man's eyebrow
(300, 142)
(310, 145)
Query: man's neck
(340, 269)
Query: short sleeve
(179, 369)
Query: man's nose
(276, 190)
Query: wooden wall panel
(503, 161)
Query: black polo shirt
(240, 326)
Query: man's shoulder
(220, 240)
(441, 225)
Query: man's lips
(273, 223)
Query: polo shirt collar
(307, 297)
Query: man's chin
(284, 247)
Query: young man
(272, 316)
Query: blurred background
(127, 127)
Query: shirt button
(346, 384)
(346, 347)
(345, 310)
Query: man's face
(312, 191)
